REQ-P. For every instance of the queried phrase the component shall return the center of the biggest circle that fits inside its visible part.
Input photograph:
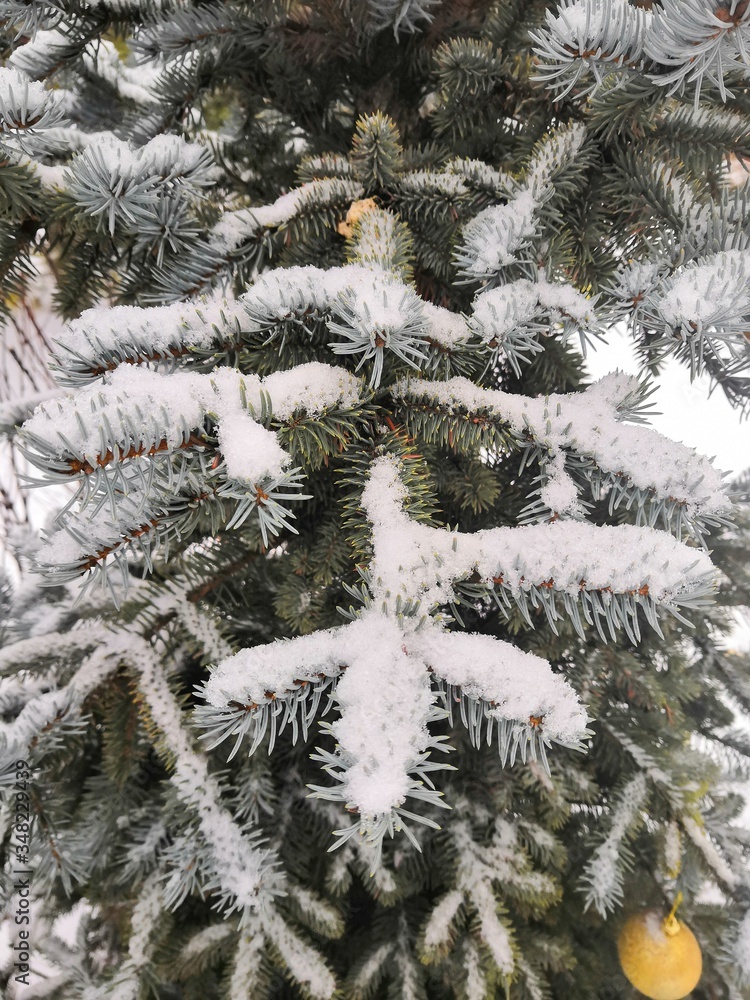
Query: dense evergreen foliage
(303, 248)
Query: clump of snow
(446, 328)
(368, 309)
(637, 279)
(385, 695)
(579, 21)
(314, 387)
(112, 180)
(278, 667)
(419, 562)
(143, 409)
(164, 156)
(492, 239)
(133, 332)
(519, 685)
(171, 155)
(565, 300)
(710, 292)
(382, 726)
(498, 311)
(524, 307)
(588, 424)
(245, 224)
(560, 492)
(21, 98)
(41, 53)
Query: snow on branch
(611, 571)
(118, 184)
(388, 676)
(368, 310)
(44, 650)
(676, 44)
(103, 434)
(28, 113)
(101, 339)
(245, 237)
(380, 672)
(502, 234)
(629, 462)
(511, 318)
(146, 412)
(389, 669)
(142, 411)
(247, 224)
(240, 870)
(699, 310)
(604, 872)
(59, 704)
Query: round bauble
(659, 955)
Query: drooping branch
(668, 480)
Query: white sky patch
(687, 413)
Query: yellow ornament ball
(659, 955)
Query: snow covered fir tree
(375, 653)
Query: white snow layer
(588, 424)
(384, 664)
(493, 238)
(374, 299)
(152, 333)
(237, 227)
(501, 310)
(708, 291)
(240, 869)
(144, 409)
(416, 561)
(385, 695)
(45, 49)
(21, 98)
(518, 685)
